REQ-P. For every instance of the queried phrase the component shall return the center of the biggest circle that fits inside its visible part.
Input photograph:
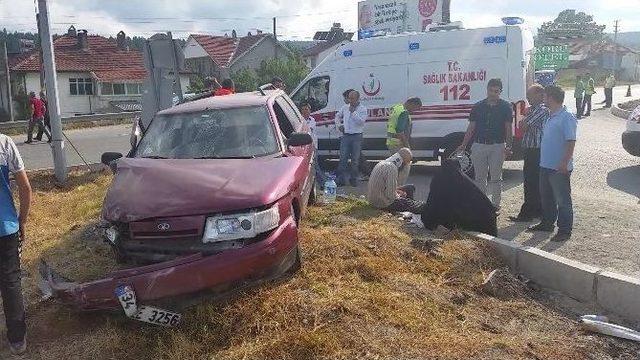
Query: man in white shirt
(350, 121)
(305, 110)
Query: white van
(447, 69)
(631, 137)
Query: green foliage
(292, 71)
(245, 80)
(570, 24)
(196, 84)
(13, 39)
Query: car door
(296, 123)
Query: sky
(296, 19)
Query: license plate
(157, 316)
(149, 314)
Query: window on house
(121, 89)
(81, 86)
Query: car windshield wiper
(226, 157)
(154, 157)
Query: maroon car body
(197, 222)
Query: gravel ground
(606, 190)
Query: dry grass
(364, 292)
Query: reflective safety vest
(394, 115)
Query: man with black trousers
(12, 235)
(532, 124)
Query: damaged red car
(212, 194)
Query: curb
(612, 292)
(621, 113)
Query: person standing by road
(12, 236)
(532, 124)
(352, 118)
(399, 124)
(37, 118)
(305, 110)
(490, 124)
(383, 190)
(578, 94)
(589, 90)
(556, 165)
(47, 119)
(609, 84)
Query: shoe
(520, 218)
(28, 142)
(353, 182)
(49, 141)
(561, 236)
(339, 184)
(18, 348)
(541, 227)
(37, 139)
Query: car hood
(152, 188)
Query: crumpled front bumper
(180, 276)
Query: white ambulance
(448, 68)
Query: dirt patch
(368, 289)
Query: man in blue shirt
(11, 237)
(556, 165)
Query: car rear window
(227, 133)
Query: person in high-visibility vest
(399, 125)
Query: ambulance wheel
(463, 157)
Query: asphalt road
(606, 187)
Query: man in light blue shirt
(556, 165)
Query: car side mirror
(299, 139)
(108, 157)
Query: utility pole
(40, 52)
(615, 47)
(5, 69)
(51, 80)
(275, 37)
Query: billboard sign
(397, 16)
(552, 57)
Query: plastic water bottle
(330, 189)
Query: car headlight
(240, 226)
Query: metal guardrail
(96, 119)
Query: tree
(196, 85)
(292, 71)
(245, 80)
(571, 24)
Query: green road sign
(552, 57)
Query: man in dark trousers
(12, 235)
(556, 165)
(47, 119)
(578, 94)
(532, 124)
(37, 117)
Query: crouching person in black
(456, 202)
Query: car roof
(224, 102)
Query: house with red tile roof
(327, 43)
(221, 56)
(95, 74)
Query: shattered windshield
(228, 133)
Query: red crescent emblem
(373, 92)
(427, 7)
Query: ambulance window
(315, 91)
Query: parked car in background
(212, 194)
(631, 137)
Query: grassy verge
(369, 288)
